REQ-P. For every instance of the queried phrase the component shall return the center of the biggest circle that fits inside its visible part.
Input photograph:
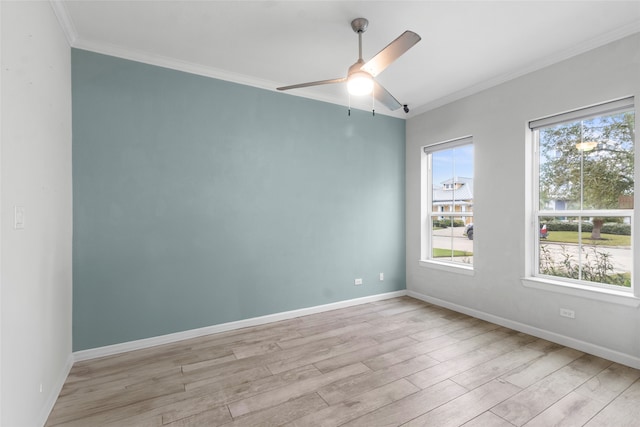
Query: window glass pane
(607, 157)
(441, 239)
(558, 252)
(463, 243)
(594, 249)
(587, 164)
(443, 170)
(452, 178)
(450, 241)
(558, 190)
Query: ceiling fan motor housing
(359, 25)
(356, 67)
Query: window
(584, 196)
(447, 203)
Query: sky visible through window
(455, 162)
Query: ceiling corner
(60, 10)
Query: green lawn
(440, 253)
(572, 237)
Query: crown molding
(172, 63)
(60, 10)
(207, 71)
(76, 41)
(586, 46)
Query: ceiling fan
(361, 75)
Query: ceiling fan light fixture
(360, 83)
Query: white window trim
(623, 296)
(466, 269)
(583, 113)
(425, 209)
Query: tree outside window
(585, 196)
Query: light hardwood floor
(394, 362)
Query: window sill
(445, 266)
(599, 294)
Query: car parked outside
(468, 231)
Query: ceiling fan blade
(393, 51)
(318, 83)
(384, 97)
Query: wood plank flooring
(388, 363)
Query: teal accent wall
(198, 201)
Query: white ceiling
(466, 46)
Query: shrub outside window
(584, 195)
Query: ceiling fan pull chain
(349, 110)
(373, 101)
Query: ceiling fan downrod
(359, 26)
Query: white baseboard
(54, 392)
(616, 356)
(224, 327)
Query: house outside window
(454, 195)
(447, 204)
(584, 196)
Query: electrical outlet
(381, 277)
(565, 312)
(357, 282)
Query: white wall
(497, 118)
(35, 172)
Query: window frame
(611, 293)
(427, 212)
